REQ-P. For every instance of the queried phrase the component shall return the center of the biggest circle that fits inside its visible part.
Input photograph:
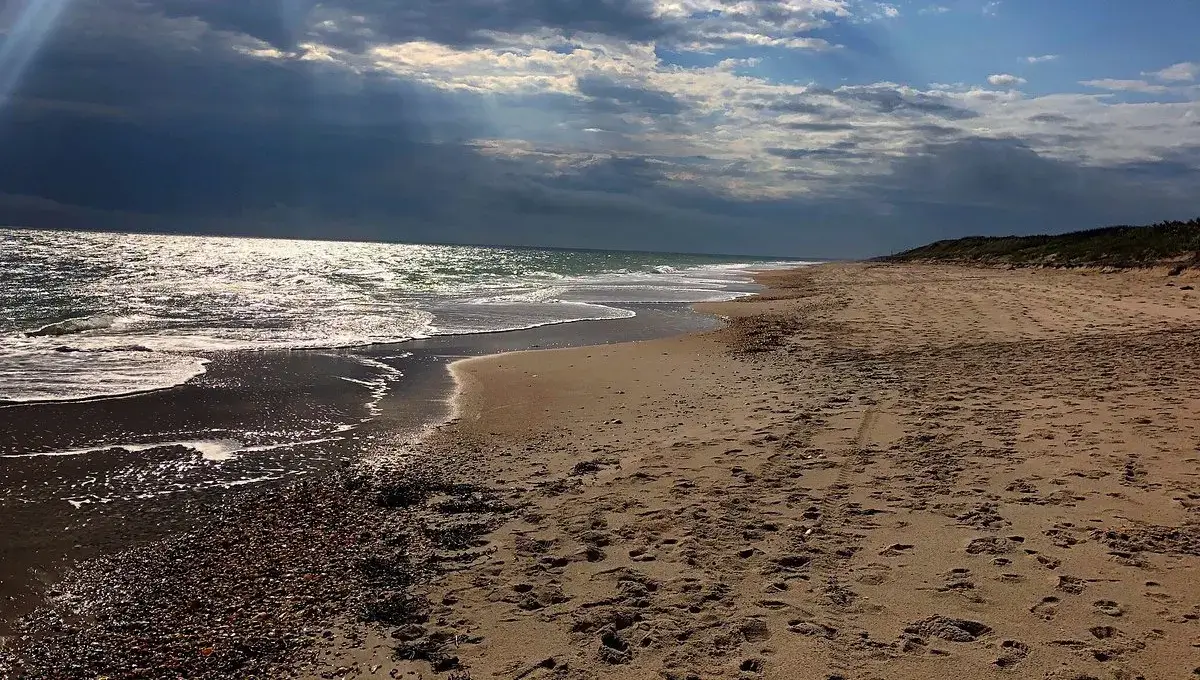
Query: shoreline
(855, 476)
(207, 356)
(36, 549)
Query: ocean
(88, 315)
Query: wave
(189, 298)
(30, 377)
(72, 326)
(211, 450)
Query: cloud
(837, 150)
(820, 126)
(1041, 59)
(1181, 72)
(1050, 118)
(527, 121)
(360, 25)
(992, 8)
(933, 9)
(1005, 80)
(1003, 186)
(896, 99)
(1126, 86)
(614, 96)
(883, 11)
(683, 24)
(279, 23)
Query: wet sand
(873, 472)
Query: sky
(810, 128)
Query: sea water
(87, 315)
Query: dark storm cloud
(191, 128)
(794, 105)
(820, 126)
(934, 130)
(110, 58)
(184, 133)
(1179, 164)
(837, 150)
(609, 95)
(1010, 187)
(968, 186)
(460, 22)
(894, 101)
(278, 22)
(358, 23)
(881, 98)
(1049, 118)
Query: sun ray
(34, 20)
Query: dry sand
(875, 472)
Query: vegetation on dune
(1124, 247)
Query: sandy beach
(875, 471)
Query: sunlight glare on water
(86, 314)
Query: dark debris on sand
(255, 589)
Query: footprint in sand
(1072, 585)
(811, 628)
(1108, 607)
(1047, 608)
(990, 545)
(953, 630)
(613, 649)
(1049, 562)
(751, 666)
(1012, 653)
(873, 574)
(755, 630)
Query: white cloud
(933, 9)
(991, 9)
(733, 118)
(1041, 59)
(1181, 72)
(709, 25)
(1126, 86)
(1005, 80)
(728, 129)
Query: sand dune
(874, 472)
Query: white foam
(146, 309)
(213, 450)
(380, 385)
(31, 375)
(75, 325)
